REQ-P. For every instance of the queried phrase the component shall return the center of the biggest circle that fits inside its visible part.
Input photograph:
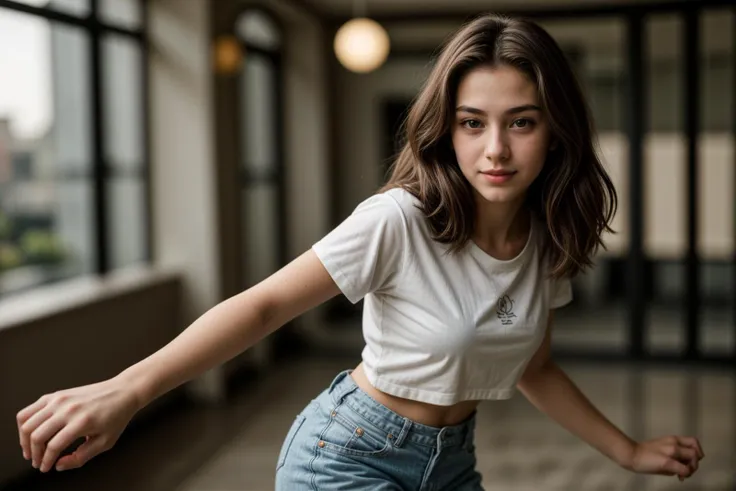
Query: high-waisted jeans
(346, 440)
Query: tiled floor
(235, 447)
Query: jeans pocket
(298, 422)
(343, 435)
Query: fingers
(60, 442)
(31, 445)
(41, 435)
(691, 442)
(689, 452)
(674, 467)
(48, 427)
(91, 448)
(689, 457)
(22, 418)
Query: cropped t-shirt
(439, 327)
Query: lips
(498, 176)
(498, 172)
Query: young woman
(496, 201)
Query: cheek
(466, 150)
(534, 158)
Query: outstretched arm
(100, 412)
(234, 326)
(549, 389)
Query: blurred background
(159, 156)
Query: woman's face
(500, 135)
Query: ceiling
(388, 8)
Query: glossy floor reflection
(234, 447)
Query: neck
(497, 224)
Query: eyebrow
(513, 110)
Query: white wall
(183, 179)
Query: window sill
(49, 300)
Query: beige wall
(182, 153)
(183, 179)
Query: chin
(498, 194)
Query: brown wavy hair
(573, 195)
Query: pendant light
(361, 44)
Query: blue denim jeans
(346, 440)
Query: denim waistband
(399, 428)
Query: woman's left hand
(670, 456)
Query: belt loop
(341, 387)
(404, 432)
(469, 434)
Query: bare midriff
(419, 412)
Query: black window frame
(96, 28)
(277, 174)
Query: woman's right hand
(98, 413)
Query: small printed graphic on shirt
(505, 310)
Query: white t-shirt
(439, 328)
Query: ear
(553, 146)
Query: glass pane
(127, 215)
(73, 7)
(123, 13)
(665, 198)
(716, 166)
(46, 213)
(123, 90)
(123, 125)
(260, 231)
(259, 89)
(258, 28)
(596, 49)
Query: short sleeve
(365, 252)
(561, 293)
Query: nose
(497, 148)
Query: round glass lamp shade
(362, 45)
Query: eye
(523, 123)
(472, 124)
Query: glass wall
(665, 181)
(666, 197)
(596, 321)
(716, 178)
(73, 186)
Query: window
(261, 153)
(73, 164)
